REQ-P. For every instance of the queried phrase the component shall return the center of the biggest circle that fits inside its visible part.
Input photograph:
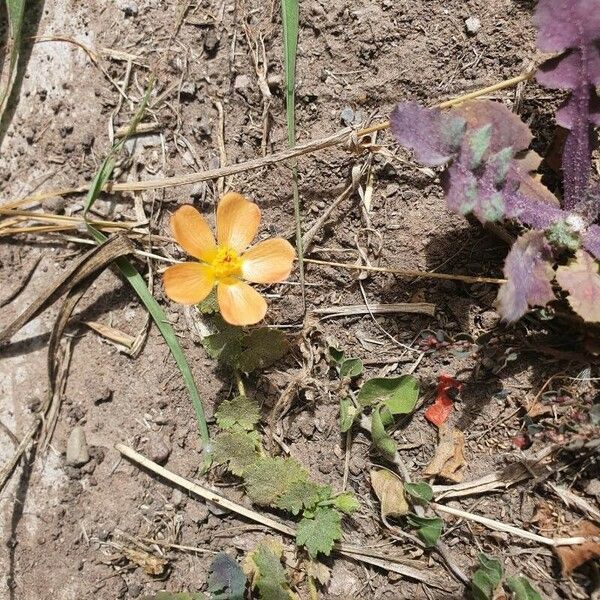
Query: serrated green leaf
(521, 588)
(261, 348)
(237, 449)
(429, 529)
(351, 367)
(225, 345)
(487, 578)
(268, 576)
(346, 502)
(238, 412)
(226, 580)
(398, 394)
(381, 439)
(269, 478)
(301, 495)
(348, 414)
(319, 533)
(421, 491)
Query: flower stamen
(226, 263)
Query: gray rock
(347, 116)
(473, 25)
(592, 488)
(242, 83)
(77, 448)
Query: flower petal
(237, 221)
(240, 304)
(192, 233)
(269, 261)
(188, 283)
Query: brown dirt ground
(60, 524)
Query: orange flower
(225, 263)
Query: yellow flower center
(226, 263)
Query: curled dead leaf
(449, 456)
(390, 491)
(572, 557)
(152, 565)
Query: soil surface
(67, 530)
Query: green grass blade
(290, 19)
(139, 285)
(15, 9)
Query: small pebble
(347, 116)
(473, 25)
(158, 450)
(77, 448)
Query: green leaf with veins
(269, 478)
(429, 529)
(348, 414)
(225, 345)
(381, 439)
(421, 491)
(261, 348)
(239, 411)
(346, 502)
(398, 394)
(521, 588)
(237, 449)
(267, 573)
(487, 578)
(319, 533)
(351, 367)
(302, 495)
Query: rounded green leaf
(398, 394)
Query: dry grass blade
(516, 531)
(407, 272)
(415, 308)
(387, 563)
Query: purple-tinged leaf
(573, 27)
(434, 136)
(507, 128)
(559, 22)
(528, 269)
(581, 279)
(591, 240)
(532, 211)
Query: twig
(417, 308)
(387, 563)
(499, 526)
(407, 272)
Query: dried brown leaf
(572, 557)
(390, 491)
(449, 456)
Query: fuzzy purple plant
(488, 169)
